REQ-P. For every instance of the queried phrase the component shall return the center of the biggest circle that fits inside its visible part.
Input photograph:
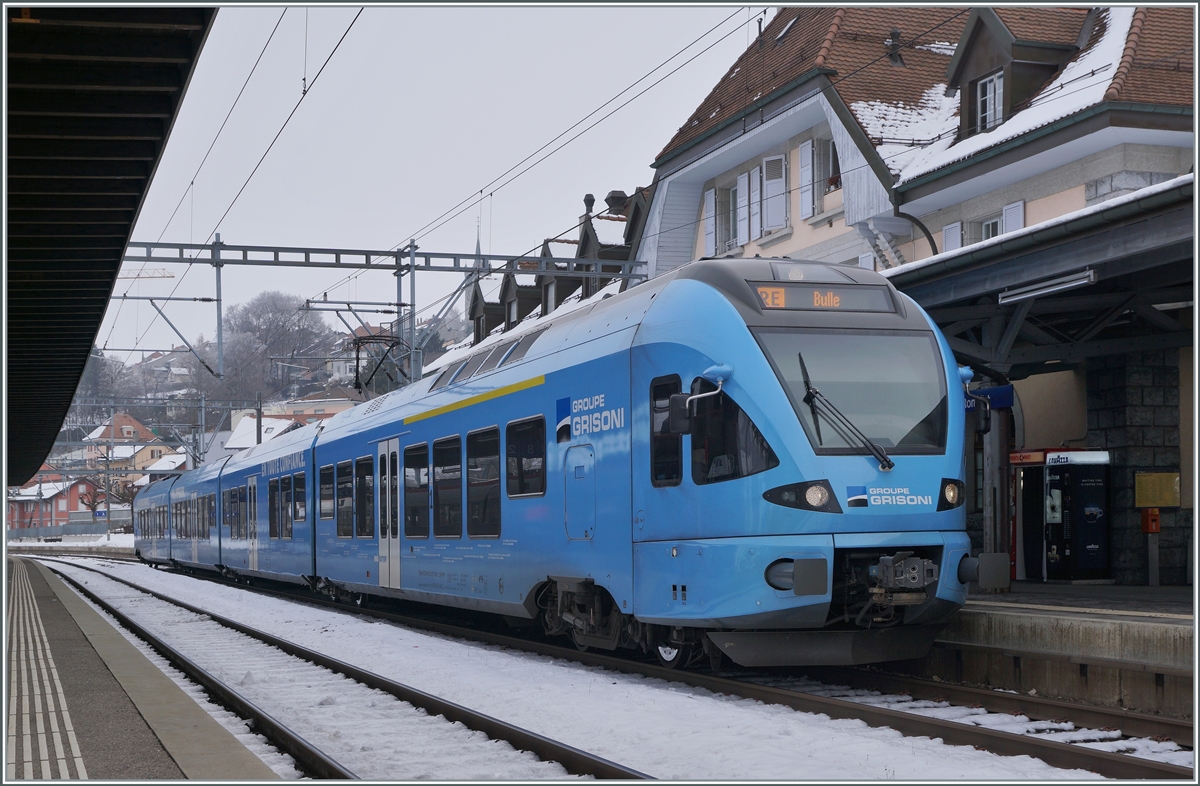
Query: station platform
(84, 703)
(1118, 646)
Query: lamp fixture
(1042, 288)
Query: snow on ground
(664, 729)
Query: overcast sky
(417, 110)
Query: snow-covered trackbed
(217, 651)
(664, 723)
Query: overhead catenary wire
(267, 151)
(191, 184)
(849, 75)
(467, 203)
(857, 71)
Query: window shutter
(1014, 217)
(710, 223)
(866, 261)
(743, 209)
(756, 228)
(998, 105)
(952, 236)
(806, 179)
(774, 193)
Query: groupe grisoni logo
(585, 416)
(858, 496)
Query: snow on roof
(119, 452)
(610, 230)
(1029, 230)
(245, 435)
(48, 490)
(179, 370)
(464, 348)
(1079, 85)
(904, 128)
(95, 434)
(169, 461)
(938, 47)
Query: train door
(387, 494)
(252, 524)
(195, 503)
(579, 494)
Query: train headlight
(951, 495)
(816, 496)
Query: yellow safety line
(466, 402)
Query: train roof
(606, 312)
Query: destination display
(823, 297)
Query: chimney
(588, 201)
(893, 45)
(615, 200)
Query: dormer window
(989, 93)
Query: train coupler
(901, 579)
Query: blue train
(760, 459)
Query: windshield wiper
(812, 397)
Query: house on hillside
(123, 444)
(50, 500)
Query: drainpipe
(933, 249)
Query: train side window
(394, 507)
(326, 483)
(483, 483)
(273, 508)
(525, 456)
(726, 444)
(298, 495)
(496, 356)
(364, 514)
(523, 347)
(447, 488)
(285, 506)
(416, 491)
(345, 500)
(666, 449)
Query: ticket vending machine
(1061, 527)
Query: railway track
(1058, 754)
(310, 756)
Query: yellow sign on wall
(1156, 490)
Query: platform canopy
(92, 95)
(1110, 279)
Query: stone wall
(1133, 412)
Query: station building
(1026, 175)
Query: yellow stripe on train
(466, 402)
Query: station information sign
(823, 297)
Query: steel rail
(308, 756)
(1057, 754)
(1133, 724)
(574, 760)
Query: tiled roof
(859, 52)
(760, 70)
(1050, 25)
(1159, 58)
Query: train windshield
(889, 384)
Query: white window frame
(989, 101)
(990, 227)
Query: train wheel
(671, 656)
(578, 645)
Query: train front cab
(765, 525)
